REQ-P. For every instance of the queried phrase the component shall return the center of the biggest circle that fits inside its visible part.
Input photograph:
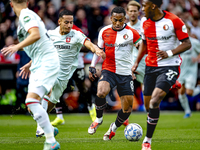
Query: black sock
(121, 117)
(152, 120)
(100, 106)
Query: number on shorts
(171, 74)
(132, 86)
(81, 74)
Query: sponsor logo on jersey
(27, 19)
(165, 27)
(68, 39)
(62, 46)
(160, 38)
(125, 36)
(116, 45)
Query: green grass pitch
(17, 132)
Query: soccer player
(118, 40)
(44, 69)
(133, 8)
(68, 42)
(84, 97)
(188, 75)
(161, 32)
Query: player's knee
(101, 94)
(127, 109)
(154, 104)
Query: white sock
(60, 116)
(41, 117)
(184, 103)
(196, 90)
(146, 139)
(99, 120)
(114, 127)
(45, 102)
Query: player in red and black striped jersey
(161, 33)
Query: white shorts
(57, 90)
(189, 79)
(44, 76)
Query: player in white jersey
(68, 42)
(118, 40)
(161, 32)
(44, 67)
(133, 8)
(188, 75)
(84, 96)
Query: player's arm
(95, 49)
(32, 38)
(92, 69)
(141, 52)
(185, 45)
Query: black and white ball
(133, 132)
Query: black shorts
(160, 77)
(79, 75)
(124, 83)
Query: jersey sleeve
(180, 29)
(142, 29)
(100, 43)
(81, 37)
(28, 20)
(136, 37)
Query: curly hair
(118, 10)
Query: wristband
(169, 53)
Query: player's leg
(125, 88)
(104, 86)
(39, 114)
(166, 78)
(184, 100)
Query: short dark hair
(118, 10)
(19, 1)
(157, 2)
(65, 12)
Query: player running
(188, 75)
(118, 40)
(44, 69)
(161, 32)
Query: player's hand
(100, 52)
(133, 70)
(92, 73)
(9, 50)
(25, 72)
(161, 55)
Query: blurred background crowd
(90, 16)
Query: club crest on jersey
(27, 19)
(68, 39)
(125, 36)
(165, 27)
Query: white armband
(169, 53)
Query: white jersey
(68, 47)
(43, 49)
(189, 69)
(80, 60)
(141, 67)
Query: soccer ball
(133, 132)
